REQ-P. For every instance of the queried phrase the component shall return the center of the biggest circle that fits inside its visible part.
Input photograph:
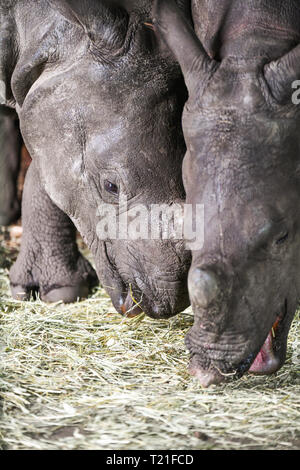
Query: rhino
(241, 125)
(100, 110)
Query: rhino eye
(111, 188)
(282, 240)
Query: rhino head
(100, 112)
(242, 163)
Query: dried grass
(81, 377)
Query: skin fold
(243, 146)
(98, 103)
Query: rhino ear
(281, 74)
(173, 26)
(104, 23)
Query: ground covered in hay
(81, 377)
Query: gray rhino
(99, 109)
(241, 125)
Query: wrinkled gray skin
(10, 155)
(243, 164)
(97, 101)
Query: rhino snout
(206, 377)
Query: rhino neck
(260, 28)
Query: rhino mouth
(136, 299)
(264, 361)
(156, 307)
(131, 307)
(135, 294)
(269, 359)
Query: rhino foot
(67, 288)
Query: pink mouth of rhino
(267, 361)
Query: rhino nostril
(203, 287)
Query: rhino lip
(130, 308)
(268, 361)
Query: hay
(81, 377)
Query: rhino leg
(49, 262)
(10, 155)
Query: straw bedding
(81, 377)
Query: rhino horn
(280, 75)
(177, 32)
